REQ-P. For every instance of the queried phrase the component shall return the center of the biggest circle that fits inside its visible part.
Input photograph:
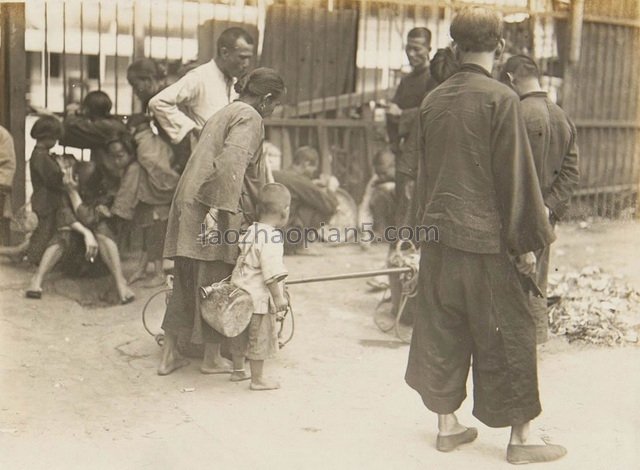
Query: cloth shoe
(518, 454)
(449, 443)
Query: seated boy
(378, 206)
(260, 271)
(311, 205)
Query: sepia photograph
(319, 234)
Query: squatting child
(260, 271)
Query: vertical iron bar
(150, 29)
(100, 45)
(182, 32)
(437, 22)
(46, 56)
(312, 61)
(82, 51)
(353, 85)
(286, 35)
(132, 32)
(390, 16)
(213, 21)
(403, 34)
(338, 90)
(115, 60)
(298, 73)
(198, 25)
(324, 62)
(375, 67)
(365, 20)
(64, 57)
(166, 35)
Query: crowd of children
(83, 208)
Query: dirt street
(79, 386)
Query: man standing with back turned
(477, 184)
(552, 136)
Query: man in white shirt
(183, 107)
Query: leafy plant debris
(591, 307)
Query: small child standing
(49, 195)
(260, 271)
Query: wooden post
(13, 102)
(573, 55)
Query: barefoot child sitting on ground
(260, 271)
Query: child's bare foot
(221, 366)
(239, 375)
(165, 368)
(264, 384)
(137, 276)
(126, 295)
(156, 280)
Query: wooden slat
(13, 91)
(331, 103)
(292, 122)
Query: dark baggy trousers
(472, 305)
(183, 310)
(538, 305)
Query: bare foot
(171, 365)
(239, 375)
(138, 275)
(126, 295)
(222, 366)
(156, 281)
(264, 384)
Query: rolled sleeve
(165, 107)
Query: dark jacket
(552, 136)
(82, 132)
(477, 181)
(46, 179)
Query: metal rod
(45, 56)
(115, 63)
(338, 277)
(100, 48)
(82, 56)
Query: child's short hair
(274, 198)
(383, 155)
(97, 103)
(47, 127)
(305, 154)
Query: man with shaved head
(552, 136)
(477, 184)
